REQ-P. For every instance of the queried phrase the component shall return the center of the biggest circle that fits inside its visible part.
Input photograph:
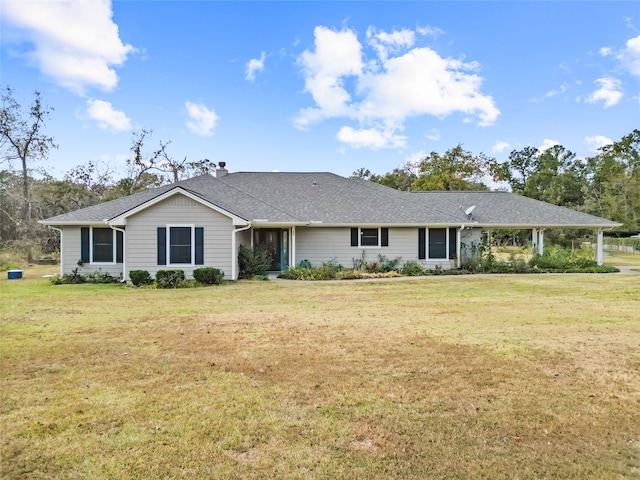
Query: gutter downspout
(234, 260)
(124, 252)
(61, 249)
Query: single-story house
(318, 217)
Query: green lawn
(522, 376)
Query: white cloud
(547, 144)
(255, 65)
(107, 117)
(434, 32)
(597, 141)
(371, 138)
(605, 51)
(337, 55)
(401, 81)
(630, 56)
(500, 147)
(74, 42)
(434, 134)
(201, 120)
(609, 92)
(552, 93)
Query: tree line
(606, 184)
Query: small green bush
(253, 261)
(412, 268)
(169, 278)
(101, 277)
(388, 265)
(140, 277)
(208, 275)
(75, 277)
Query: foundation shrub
(208, 275)
(140, 277)
(253, 261)
(170, 278)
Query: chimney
(221, 171)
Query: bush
(253, 261)
(170, 278)
(327, 271)
(208, 275)
(411, 268)
(387, 265)
(75, 277)
(140, 277)
(101, 277)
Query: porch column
(534, 240)
(458, 249)
(600, 253)
(293, 246)
(541, 242)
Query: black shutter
(199, 246)
(162, 246)
(384, 234)
(354, 237)
(452, 243)
(84, 244)
(422, 243)
(119, 246)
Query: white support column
(600, 255)
(293, 246)
(458, 248)
(541, 242)
(534, 240)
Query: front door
(270, 239)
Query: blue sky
(324, 86)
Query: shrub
(327, 271)
(101, 277)
(140, 277)
(411, 268)
(387, 265)
(253, 261)
(169, 278)
(208, 275)
(75, 277)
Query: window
(369, 237)
(184, 245)
(101, 245)
(180, 245)
(436, 243)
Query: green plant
(412, 268)
(208, 275)
(140, 277)
(101, 277)
(75, 277)
(169, 278)
(253, 261)
(387, 265)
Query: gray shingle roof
(333, 200)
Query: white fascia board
(122, 219)
(547, 225)
(74, 222)
(385, 225)
(268, 224)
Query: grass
(531, 376)
(612, 257)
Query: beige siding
(326, 244)
(141, 238)
(71, 252)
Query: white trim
(192, 226)
(124, 250)
(122, 219)
(114, 246)
(234, 252)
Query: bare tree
(22, 138)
